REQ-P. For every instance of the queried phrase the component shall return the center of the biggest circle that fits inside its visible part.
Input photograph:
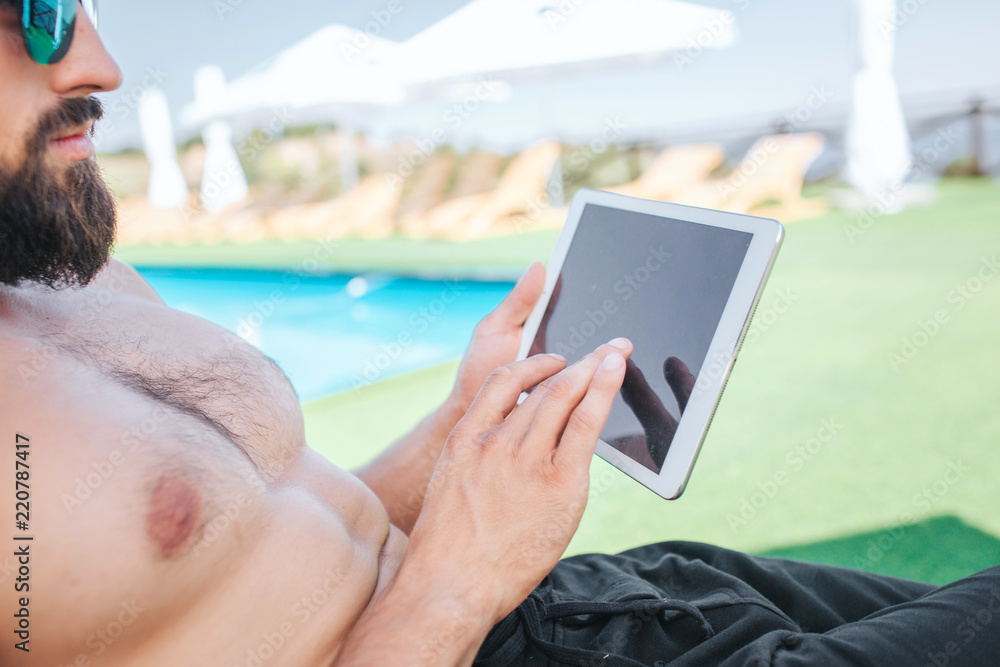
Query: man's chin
(57, 224)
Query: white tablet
(681, 283)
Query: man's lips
(75, 144)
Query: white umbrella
(324, 71)
(514, 38)
(877, 143)
(525, 39)
(336, 72)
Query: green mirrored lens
(48, 28)
(90, 9)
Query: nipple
(173, 514)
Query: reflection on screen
(661, 283)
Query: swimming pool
(332, 333)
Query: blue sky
(946, 51)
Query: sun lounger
(477, 173)
(521, 186)
(675, 170)
(426, 189)
(370, 212)
(318, 220)
(771, 173)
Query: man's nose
(88, 67)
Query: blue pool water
(331, 333)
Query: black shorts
(683, 603)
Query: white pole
(167, 187)
(223, 181)
(878, 146)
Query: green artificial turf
(937, 550)
(349, 428)
(824, 440)
(503, 256)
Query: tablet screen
(661, 283)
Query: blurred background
(350, 187)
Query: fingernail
(557, 357)
(620, 343)
(613, 362)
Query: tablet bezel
(729, 335)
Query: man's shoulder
(118, 276)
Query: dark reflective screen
(661, 283)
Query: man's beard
(55, 228)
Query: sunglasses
(48, 27)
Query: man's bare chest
(180, 360)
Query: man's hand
(505, 499)
(512, 482)
(497, 337)
(399, 475)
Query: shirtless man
(178, 516)
(185, 423)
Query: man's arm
(468, 564)
(399, 476)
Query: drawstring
(639, 605)
(499, 650)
